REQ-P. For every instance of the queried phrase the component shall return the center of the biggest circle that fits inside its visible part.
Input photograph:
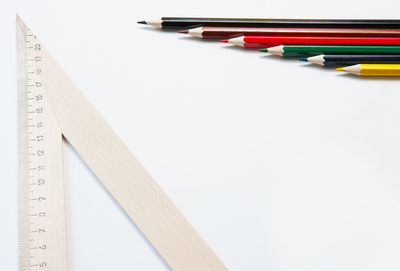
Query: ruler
(42, 217)
(51, 107)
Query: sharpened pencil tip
(184, 31)
(340, 69)
(141, 22)
(225, 40)
(304, 59)
(264, 50)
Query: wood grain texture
(42, 215)
(124, 177)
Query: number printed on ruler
(38, 163)
(42, 219)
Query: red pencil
(211, 32)
(268, 41)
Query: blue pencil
(331, 60)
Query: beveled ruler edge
(123, 176)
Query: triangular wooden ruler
(51, 106)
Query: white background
(278, 164)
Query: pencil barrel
(317, 40)
(179, 23)
(380, 70)
(310, 50)
(231, 32)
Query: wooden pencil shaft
(230, 32)
(373, 69)
(190, 22)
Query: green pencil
(312, 50)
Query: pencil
(268, 41)
(210, 32)
(330, 60)
(310, 50)
(373, 69)
(180, 23)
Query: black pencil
(180, 23)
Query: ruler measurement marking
(42, 240)
(32, 143)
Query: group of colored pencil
(363, 47)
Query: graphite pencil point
(141, 22)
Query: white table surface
(280, 165)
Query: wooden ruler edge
(124, 177)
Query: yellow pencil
(373, 69)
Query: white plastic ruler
(50, 107)
(42, 220)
